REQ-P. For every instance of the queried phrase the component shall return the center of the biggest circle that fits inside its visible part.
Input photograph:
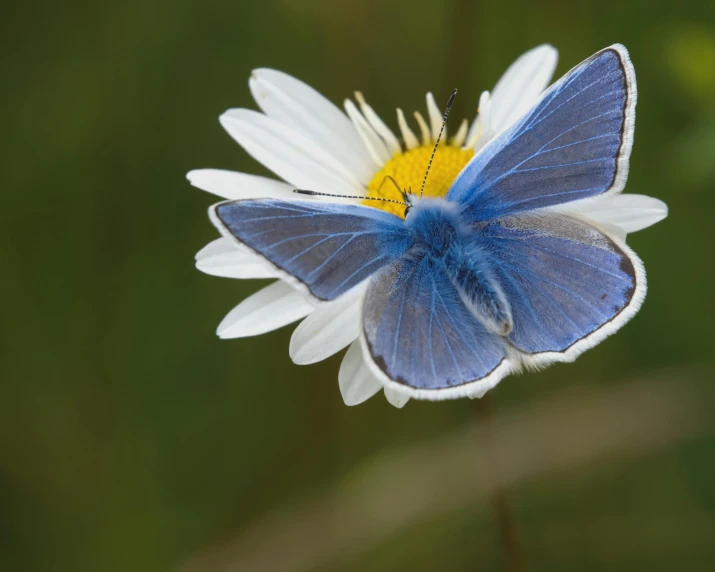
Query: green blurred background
(131, 438)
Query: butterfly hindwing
(569, 284)
(575, 143)
(328, 248)
(420, 338)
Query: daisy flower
(309, 143)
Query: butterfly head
(410, 200)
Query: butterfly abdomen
(470, 272)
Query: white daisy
(311, 144)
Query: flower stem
(501, 505)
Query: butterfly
(498, 274)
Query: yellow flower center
(408, 170)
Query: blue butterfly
(494, 276)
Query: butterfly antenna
(317, 194)
(394, 182)
(441, 130)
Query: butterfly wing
(575, 143)
(322, 247)
(569, 284)
(419, 337)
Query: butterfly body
(494, 276)
(449, 238)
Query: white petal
(374, 145)
(461, 135)
(612, 229)
(481, 124)
(268, 309)
(480, 394)
(407, 134)
(435, 117)
(424, 128)
(216, 247)
(630, 212)
(225, 246)
(392, 143)
(300, 107)
(395, 398)
(223, 257)
(231, 185)
(521, 85)
(328, 329)
(240, 270)
(287, 153)
(357, 384)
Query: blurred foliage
(131, 438)
(691, 58)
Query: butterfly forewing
(574, 144)
(328, 248)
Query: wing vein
(459, 333)
(399, 325)
(579, 92)
(444, 334)
(565, 290)
(333, 255)
(540, 151)
(368, 263)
